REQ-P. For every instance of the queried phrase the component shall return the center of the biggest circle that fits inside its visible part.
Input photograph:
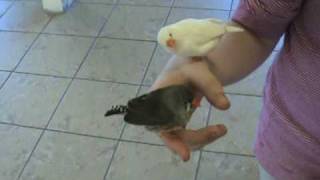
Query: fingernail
(185, 159)
(222, 128)
(185, 156)
(223, 102)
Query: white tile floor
(59, 74)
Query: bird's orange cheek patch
(196, 102)
(171, 43)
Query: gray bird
(163, 109)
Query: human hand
(196, 73)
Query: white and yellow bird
(194, 37)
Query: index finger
(201, 77)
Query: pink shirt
(288, 136)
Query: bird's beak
(171, 43)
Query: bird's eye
(170, 34)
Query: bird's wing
(205, 48)
(228, 28)
(216, 21)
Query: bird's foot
(196, 58)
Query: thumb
(176, 145)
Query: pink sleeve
(267, 18)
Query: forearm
(237, 55)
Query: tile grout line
(200, 155)
(19, 31)
(94, 3)
(20, 125)
(209, 115)
(66, 90)
(110, 138)
(110, 81)
(198, 166)
(217, 152)
(77, 134)
(232, 4)
(142, 79)
(230, 10)
(8, 8)
(67, 77)
(77, 78)
(128, 39)
(115, 5)
(156, 6)
(26, 52)
(42, 74)
(199, 8)
(124, 4)
(125, 124)
(89, 36)
(78, 35)
(115, 82)
(156, 46)
(8, 71)
(2, 83)
(207, 124)
(228, 153)
(102, 137)
(106, 81)
(117, 144)
(29, 48)
(138, 91)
